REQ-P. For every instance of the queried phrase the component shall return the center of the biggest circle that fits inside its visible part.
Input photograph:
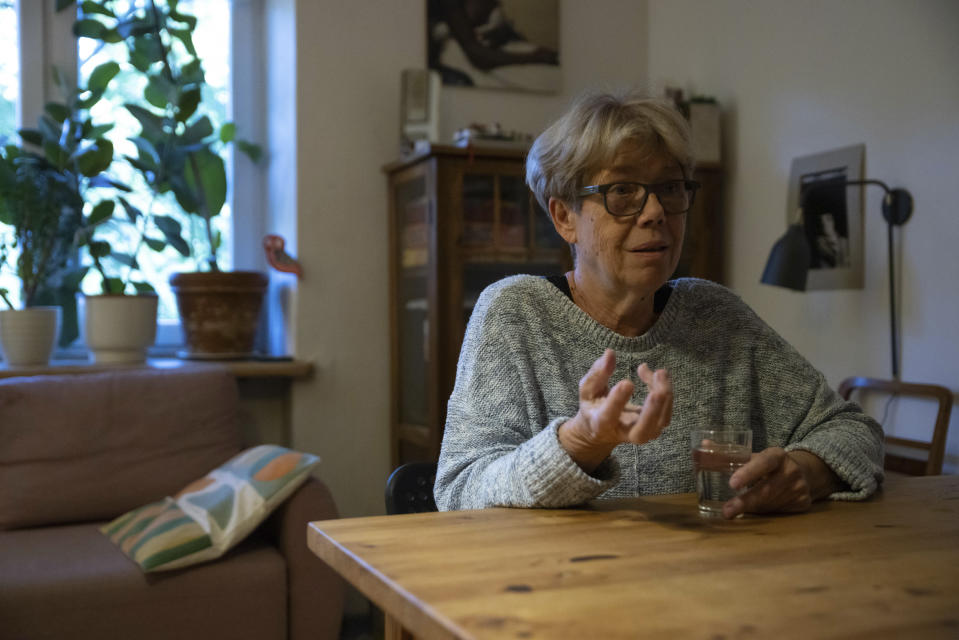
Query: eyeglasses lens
(625, 199)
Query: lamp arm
(896, 209)
(896, 205)
(805, 190)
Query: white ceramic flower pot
(119, 329)
(27, 336)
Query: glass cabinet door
(460, 221)
(508, 249)
(545, 235)
(479, 203)
(412, 206)
(514, 213)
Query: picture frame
(832, 217)
(510, 45)
(419, 109)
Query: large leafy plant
(43, 211)
(43, 189)
(85, 154)
(178, 145)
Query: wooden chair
(935, 448)
(409, 488)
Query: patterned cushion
(209, 516)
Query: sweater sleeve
(800, 411)
(497, 448)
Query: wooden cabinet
(703, 248)
(459, 220)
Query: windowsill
(267, 368)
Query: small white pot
(119, 329)
(27, 336)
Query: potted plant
(178, 155)
(116, 327)
(42, 205)
(119, 327)
(42, 212)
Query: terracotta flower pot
(219, 312)
(119, 329)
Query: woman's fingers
(775, 481)
(649, 424)
(594, 384)
(604, 416)
(613, 405)
(759, 466)
(607, 412)
(657, 411)
(665, 386)
(646, 374)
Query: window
(9, 99)
(29, 84)
(9, 70)
(213, 48)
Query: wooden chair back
(935, 448)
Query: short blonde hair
(586, 138)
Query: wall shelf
(289, 369)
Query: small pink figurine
(277, 256)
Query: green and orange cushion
(212, 514)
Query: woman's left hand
(780, 482)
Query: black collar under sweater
(659, 299)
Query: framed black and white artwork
(832, 215)
(496, 44)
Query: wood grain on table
(651, 567)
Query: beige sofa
(76, 451)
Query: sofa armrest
(316, 591)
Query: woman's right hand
(603, 420)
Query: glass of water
(717, 453)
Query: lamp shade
(788, 264)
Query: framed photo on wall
(832, 216)
(495, 44)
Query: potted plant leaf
(117, 327)
(178, 157)
(42, 205)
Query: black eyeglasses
(624, 199)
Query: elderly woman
(588, 385)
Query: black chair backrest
(409, 488)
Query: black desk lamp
(788, 264)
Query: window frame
(52, 43)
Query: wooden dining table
(652, 567)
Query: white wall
(349, 56)
(802, 77)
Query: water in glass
(715, 463)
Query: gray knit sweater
(527, 346)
